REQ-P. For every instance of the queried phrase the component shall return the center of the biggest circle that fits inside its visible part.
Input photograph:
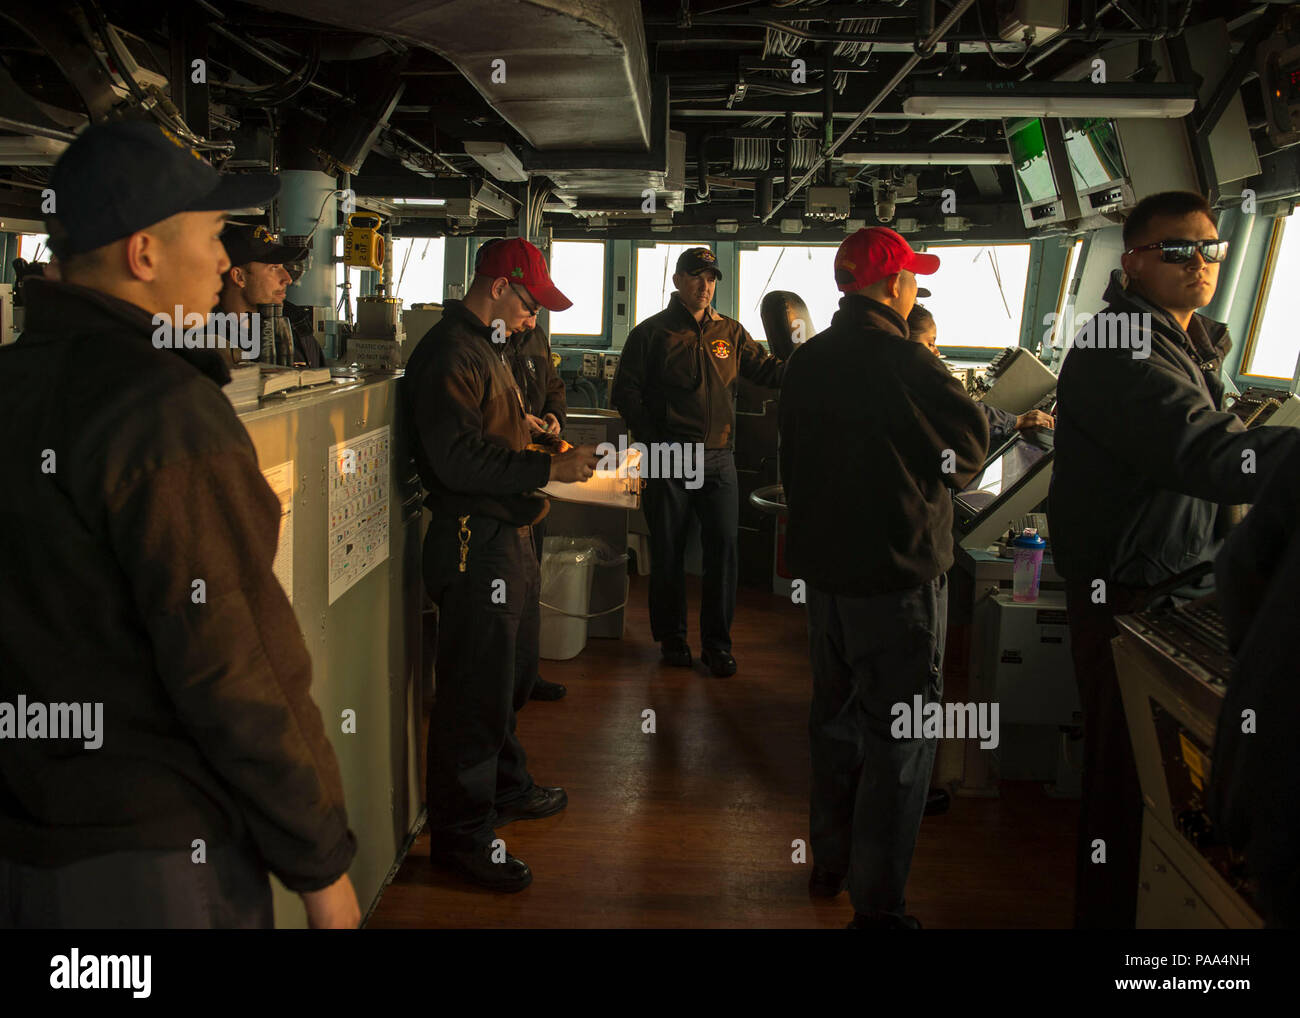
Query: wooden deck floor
(692, 826)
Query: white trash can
(568, 566)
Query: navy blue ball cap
(696, 260)
(121, 177)
(246, 244)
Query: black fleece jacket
(875, 433)
(1145, 453)
(128, 478)
(465, 416)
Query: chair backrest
(786, 321)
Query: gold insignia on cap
(706, 255)
(180, 144)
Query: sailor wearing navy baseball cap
(676, 385)
(149, 480)
(257, 276)
(136, 203)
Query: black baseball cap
(921, 291)
(121, 177)
(246, 244)
(696, 260)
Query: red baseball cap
(874, 253)
(520, 262)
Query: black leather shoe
(825, 883)
(540, 802)
(676, 651)
(937, 802)
(883, 921)
(476, 866)
(719, 662)
(543, 690)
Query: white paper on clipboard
(619, 488)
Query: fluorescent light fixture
(792, 226)
(30, 151)
(727, 226)
(421, 202)
(985, 158)
(993, 100)
(498, 160)
(854, 225)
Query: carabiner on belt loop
(463, 534)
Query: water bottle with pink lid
(1027, 565)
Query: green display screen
(1033, 170)
(1092, 146)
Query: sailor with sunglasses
(1145, 457)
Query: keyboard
(1197, 629)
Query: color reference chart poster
(358, 508)
(280, 478)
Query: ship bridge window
(578, 270)
(654, 276)
(1274, 341)
(978, 294)
(34, 247)
(803, 269)
(418, 269)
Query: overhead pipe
(892, 38)
(702, 169)
(828, 102)
(953, 16)
(763, 196)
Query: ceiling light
(727, 226)
(420, 202)
(925, 158)
(498, 160)
(988, 100)
(792, 226)
(30, 151)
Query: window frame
(589, 339)
(1260, 306)
(985, 354)
(642, 245)
(754, 246)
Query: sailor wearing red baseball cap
(874, 433)
(466, 417)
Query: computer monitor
(1041, 169)
(1097, 166)
(1013, 482)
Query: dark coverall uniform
(465, 415)
(676, 383)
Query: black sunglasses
(532, 309)
(1177, 251)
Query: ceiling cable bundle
(787, 44)
(751, 153)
